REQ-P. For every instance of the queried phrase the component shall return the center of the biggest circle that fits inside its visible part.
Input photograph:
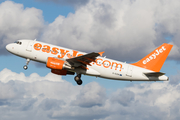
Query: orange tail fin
(155, 60)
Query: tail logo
(154, 55)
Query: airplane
(64, 61)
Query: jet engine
(57, 64)
(62, 72)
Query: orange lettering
(97, 61)
(54, 51)
(46, 48)
(74, 54)
(63, 53)
(37, 46)
(69, 55)
(108, 62)
(116, 65)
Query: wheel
(76, 78)
(79, 82)
(25, 67)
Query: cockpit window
(18, 42)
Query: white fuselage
(103, 67)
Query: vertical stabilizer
(155, 60)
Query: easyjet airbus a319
(63, 61)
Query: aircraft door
(29, 46)
(129, 71)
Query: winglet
(101, 53)
(155, 60)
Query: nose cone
(9, 47)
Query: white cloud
(18, 22)
(129, 29)
(175, 79)
(67, 2)
(125, 30)
(91, 95)
(46, 98)
(8, 75)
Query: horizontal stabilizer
(154, 74)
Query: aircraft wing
(154, 74)
(84, 59)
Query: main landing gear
(26, 66)
(78, 79)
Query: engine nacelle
(62, 72)
(56, 64)
(59, 72)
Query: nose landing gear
(26, 66)
(78, 79)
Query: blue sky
(125, 30)
(50, 10)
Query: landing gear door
(129, 71)
(29, 46)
